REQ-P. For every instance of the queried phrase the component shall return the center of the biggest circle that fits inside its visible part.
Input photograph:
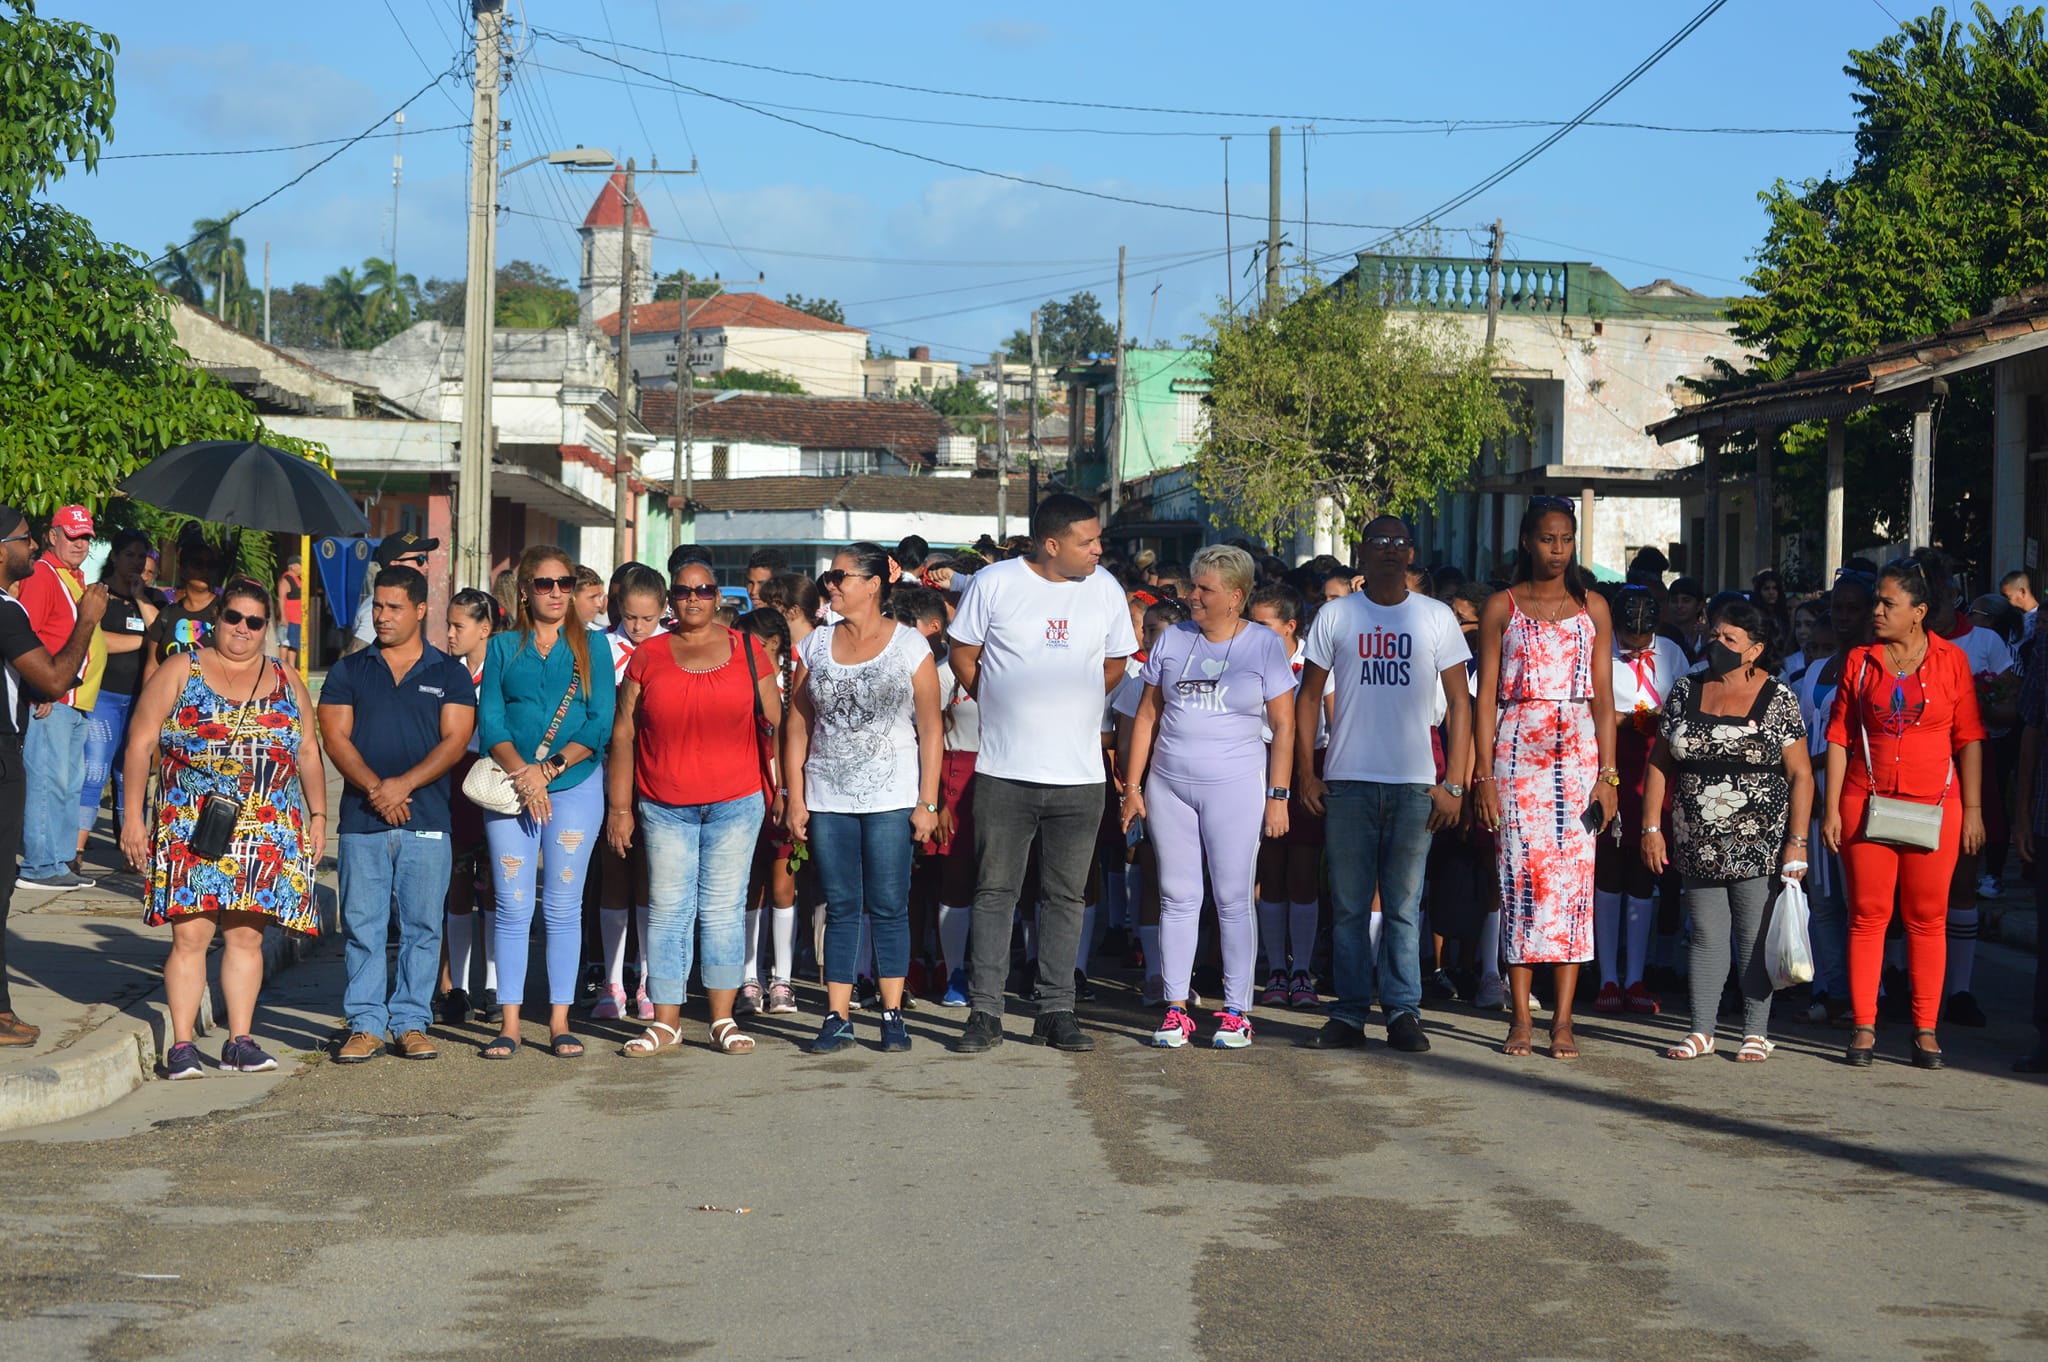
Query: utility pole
(1115, 450)
(1272, 215)
(1002, 450)
(1493, 285)
(686, 404)
(1305, 129)
(622, 455)
(1031, 419)
(1229, 264)
(266, 293)
(473, 480)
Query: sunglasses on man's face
(564, 584)
(705, 591)
(253, 623)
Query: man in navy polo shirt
(420, 708)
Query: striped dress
(1546, 760)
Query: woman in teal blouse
(528, 670)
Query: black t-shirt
(17, 640)
(124, 670)
(178, 630)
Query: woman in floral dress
(1733, 742)
(231, 722)
(1546, 712)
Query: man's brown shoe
(15, 1031)
(414, 1045)
(360, 1048)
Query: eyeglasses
(831, 581)
(253, 623)
(1195, 685)
(706, 591)
(563, 584)
(1387, 541)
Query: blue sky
(923, 253)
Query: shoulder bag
(764, 731)
(213, 826)
(489, 788)
(1887, 818)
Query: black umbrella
(245, 484)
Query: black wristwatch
(1278, 792)
(558, 763)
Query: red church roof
(726, 309)
(610, 208)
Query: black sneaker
(984, 1031)
(1083, 990)
(1437, 988)
(1404, 1033)
(867, 994)
(455, 1006)
(1335, 1035)
(1061, 1032)
(487, 1010)
(1961, 1009)
(894, 1037)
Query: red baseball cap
(75, 521)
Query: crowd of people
(1353, 788)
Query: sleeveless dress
(211, 745)
(1546, 760)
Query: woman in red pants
(1904, 726)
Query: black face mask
(1722, 660)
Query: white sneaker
(1988, 888)
(1490, 993)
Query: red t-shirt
(1916, 723)
(694, 739)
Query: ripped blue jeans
(555, 856)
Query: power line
(703, 183)
(261, 151)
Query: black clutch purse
(214, 829)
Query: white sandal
(1755, 1050)
(1692, 1047)
(649, 1043)
(727, 1036)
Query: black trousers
(13, 802)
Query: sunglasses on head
(1552, 504)
(1912, 565)
(554, 583)
(704, 591)
(832, 580)
(253, 623)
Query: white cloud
(236, 92)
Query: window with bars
(1190, 418)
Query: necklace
(1900, 669)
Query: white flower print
(1721, 801)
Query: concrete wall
(827, 363)
(894, 376)
(597, 288)
(214, 345)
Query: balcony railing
(1452, 285)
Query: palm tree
(343, 305)
(391, 297)
(533, 309)
(221, 258)
(177, 276)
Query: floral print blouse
(1729, 815)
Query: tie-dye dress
(212, 745)
(1546, 760)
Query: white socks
(1372, 933)
(1607, 937)
(460, 933)
(750, 970)
(1489, 946)
(1084, 949)
(490, 938)
(782, 922)
(1273, 935)
(611, 926)
(1962, 949)
(1641, 917)
(1301, 933)
(953, 926)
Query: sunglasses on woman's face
(253, 623)
(705, 591)
(833, 580)
(563, 584)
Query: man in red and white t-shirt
(54, 750)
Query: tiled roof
(910, 430)
(861, 492)
(609, 209)
(726, 309)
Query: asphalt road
(1128, 1203)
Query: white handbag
(489, 788)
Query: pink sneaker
(643, 1009)
(612, 1006)
(1301, 992)
(1233, 1030)
(1176, 1030)
(1274, 994)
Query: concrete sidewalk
(84, 968)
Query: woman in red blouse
(1905, 726)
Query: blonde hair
(1233, 565)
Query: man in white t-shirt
(1038, 642)
(1398, 662)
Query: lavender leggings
(1217, 823)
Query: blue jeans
(54, 752)
(863, 864)
(1378, 842)
(556, 856)
(106, 736)
(698, 859)
(378, 868)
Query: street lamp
(479, 320)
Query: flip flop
(501, 1047)
(565, 1046)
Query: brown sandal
(1518, 1043)
(1563, 1044)
(15, 1031)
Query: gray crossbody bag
(1889, 819)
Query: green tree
(390, 299)
(750, 380)
(92, 380)
(1943, 211)
(344, 307)
(670, 287)
(958, 401)
(179, 277)
(824, 309)
(221, 260)
(529, 296)
(1067, 332)
(1332, 395)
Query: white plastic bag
(1788, 955)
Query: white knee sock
(1962, 949)
(1084, 949)
(640, 926)
(1372, 933)
(611, 926)
(1607, 936)
(1489, 945)
(1273, 935)
(782, 926)
(750, 970)
(1301, 934)
(1640, 915)
(1148, 942)
(487, 931)
(460, 934)
(818, 936)
(953, 925)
